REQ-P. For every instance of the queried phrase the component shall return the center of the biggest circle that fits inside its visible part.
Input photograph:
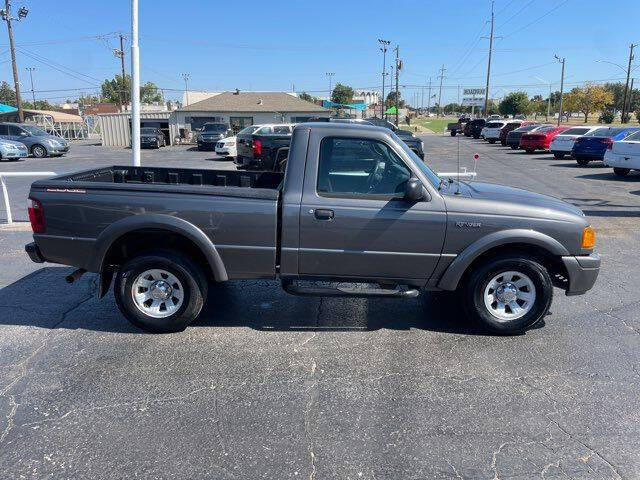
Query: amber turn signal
(588, 237)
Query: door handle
(323, 214)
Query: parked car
(264, 148)
(210, 134)
(227, 146)
(152, 137)
(540, 138)
(457, 127)
(593, 145)
(514, 136)
(491, 131)
(474, 127)
(38, 141)
(10, 150)
(625, 155)
(509, 127)
(354, 204)
(494, 117)
(562, 144)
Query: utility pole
(383, 49)
(626, 87)
(124, 81)
(330, 75)
(440, 94)
(135, 86)
(6, 16)
(630, 102)
(486, 91)
(562, 61)
(33, 95)
(429, 99)
(398, 67)
(185, 76)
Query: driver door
(355, 221)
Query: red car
(540, 139)
(512, 126)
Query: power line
(536, 20)
(60, 68)
(515, 14)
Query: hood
(505, 200)
(12, 142)
(404, 133)
(54, 137)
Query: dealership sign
(474, 91)
(472, 101)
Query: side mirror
(414, 191)
(23, 133)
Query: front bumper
(58, 150)
(15, 153)
(34, 252)
(583, 271)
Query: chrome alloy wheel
(157, 293)
(509, 295)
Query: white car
(227, 147)
(562, 144)
(492, 131)
(482, 132)
(625, 155)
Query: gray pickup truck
(354, 206)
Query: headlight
(54, 143)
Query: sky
(283, 45)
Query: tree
(516, 103)
(118, 90)
(588, 99)
(87, 100)
(342, 94)
(7, 94)
(149, 93)
(39, 105)
(308, 98)
(391, 100)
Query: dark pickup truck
(264, 148)
(457, 127)
(354, 204)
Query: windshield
(544, 129)
(34, 130)
(214, 127)
(431, 176)
(148, 131)
(526, 128)
(633, 138)
(604, 132)
(248, 130)
(494, 125)
(576, 131)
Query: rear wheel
(492, 141)
(621, 172)
(476, 136)
(528, 150)
(503, 143)
(453, 133)
(558, 155)
(38, 151)
(583, 162)
(514, 147)
(160, 291)
(508, 294)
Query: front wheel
(621, 172)
(508, 294)
(492, 141)
(160, 292)
(39, 151)
(558, 155)
(453, 133)
(583, 162)
(514, 147)
(528, 150)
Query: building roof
(7, 108)
(57, 116)
(254, 102)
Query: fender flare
(454, 272)
(160, 222)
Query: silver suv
(38, 142)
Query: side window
(281, 130)
(4, 130)
(13, 130)
(264, 131)
(354, 167)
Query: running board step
(294, 289)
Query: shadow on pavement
(610, 176)
(261, 305)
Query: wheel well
(38, 145)
(550, 261)
(133, 243)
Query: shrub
(638, 115)
(607, 116)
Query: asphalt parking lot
(266, 385)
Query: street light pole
(440, 94)
(398, 67)
(135, 86)
(626, 87)
(185, 76)
(33, 95)
(383, 49)
(330, 75)
(562, 61)
(486, 93)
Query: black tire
(503, 143)
(583, 162)
(528, 150)
(453, 133)
(558, 155)
(492, 141)
(621, 172)
(190, 275)
(476, 137)
(38, 151)
(514, 147)
(477, 281)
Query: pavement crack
(92, 289)
(494, 460)
(10, 416)
(455, 471)
(23, 369)
(307, 429)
